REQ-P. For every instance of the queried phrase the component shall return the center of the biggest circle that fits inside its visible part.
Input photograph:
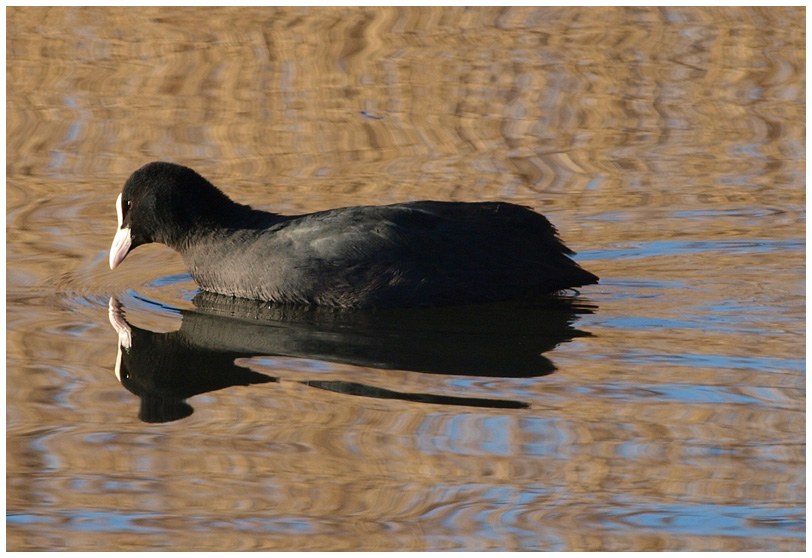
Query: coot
(424, 253)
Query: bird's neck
(234, 218)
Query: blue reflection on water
(91, 521)
(116, 522)
(672, 247)
(709, 519)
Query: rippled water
(663, 409)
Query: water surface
(663, 409)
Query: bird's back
(411, 254)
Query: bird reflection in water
(500, 340)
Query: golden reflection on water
(478, 101)
(656, 140)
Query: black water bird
(423, 253)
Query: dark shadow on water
(504, 340)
